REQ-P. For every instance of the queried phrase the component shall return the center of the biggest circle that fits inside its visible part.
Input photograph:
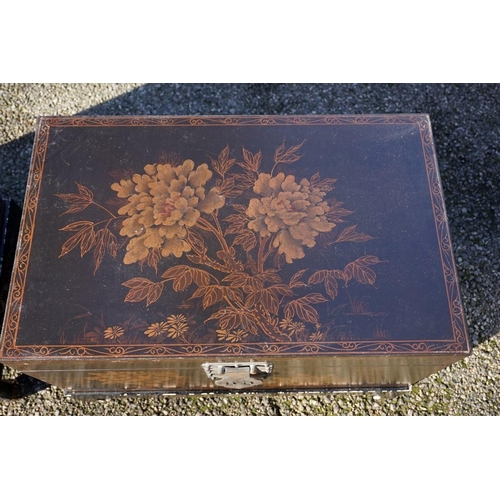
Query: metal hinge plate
(242, 375)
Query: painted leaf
(234, 294)
(248, 323)
(244, 181)
(328, 278)
(303, 310)
(223, 162)
(110, 243)
(183, 281)
(267, 297)
(350, 234)
(244, 281)
(312, 298)
(100, 248)
(360, 270)
(331, 286)
(289, 312)
(271, 275)
(77, 202)
(252, 161)
(247, 240)
(201, 277)
(85, 192)
(76, 206)
(336, 273)
(279, 261)
(196, 241)
(288, 156)
(72, 198)
(323, 184)
(282, 290)
(116, 202)
(295, 279)
(88, 241)
(269, 300)
(238, 224)
(171, 158)
(237, 279)
(337, 212)
(229, 188)
(137, 282)
(317, 277)
(252, 299)
(306, 313)
(153, 258)
(154, 293)
(255, 283)
(195, 259)
(175, 272)
(72, 242)
(199, 292)
(213, 295)
(121, 173)
(228, 318)
(143, 289)
(239, 208)
(77, 226)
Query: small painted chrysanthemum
(293, 327)
(232, 336)
(237, 335)
(177, 325)
(285, 323)
(222, 334)
(316, 336)
(113, 332)
(157, 329)
(296, 327)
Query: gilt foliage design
(228, 235)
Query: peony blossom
(293, 213)
(161, 205)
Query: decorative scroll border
(443, 235)
(460, 343)
(178, 121)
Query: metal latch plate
(241, 375)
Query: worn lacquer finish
(235, 237)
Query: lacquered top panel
(169, 236)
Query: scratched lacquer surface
(178, 236)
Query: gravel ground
(465, 121)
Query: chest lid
(252, 235)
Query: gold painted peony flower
(162, 204)
(293, 213)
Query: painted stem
(269, 251)
(260, 256)
(105, 209)
(204, 224)
(274, 166)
